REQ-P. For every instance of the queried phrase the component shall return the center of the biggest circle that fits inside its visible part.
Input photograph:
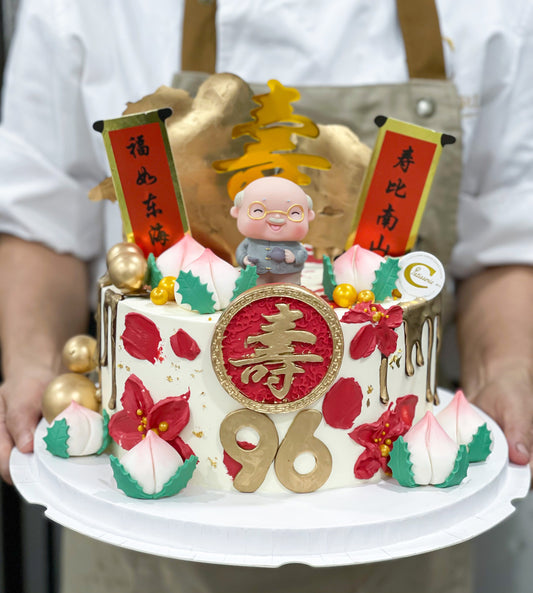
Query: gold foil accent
(300, 439)
(417, 314)
(110, 306)
(383, 392)
(281, 290)
(255, 462)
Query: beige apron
(428, 99)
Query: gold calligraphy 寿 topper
(277, 337)
(266, 358)
(272, 153)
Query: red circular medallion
(277, 348)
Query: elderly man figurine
(273, 214)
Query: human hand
(496, 343)
(508, 398)
(20, 411)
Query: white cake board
(331, 528)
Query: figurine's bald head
(273, 209)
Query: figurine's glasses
(257, 211)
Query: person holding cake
(72, 64)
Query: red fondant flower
(167, 417)
(378, 437)
(379, 332)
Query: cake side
(376, 383)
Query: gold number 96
(255, 462)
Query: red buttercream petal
(395, 317)
(141, 338)
(233, 467)
(405, 409)
(172, 410)
(184, 346)
(342, 403)
(136, 397)
(363, 343)
(357, 314)
(182, 448)
(367, 465)
(123, 430)
(386, 339)
(366, 433)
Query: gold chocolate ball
(344, 295)
(159, 296)
(167, 283)
(366, 296)
(65, 388)
(120, 249)
(127, 266)
(79, 354)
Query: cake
(172, 351)
(275, 376)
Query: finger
(517, 429)
(6, 445)
(22, 421)
(513, 411)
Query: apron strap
(422, 39)
(418, 19)
(199, 39)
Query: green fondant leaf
(400, 464)
(180, 479)
(459, 469)
(131, 487)
(195, 293)
(386, 277)
(328, 277)
(106, 436)
(479, 447)
(56, 438)
(154, 273)
(247, 279)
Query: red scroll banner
(145, 179)
(396, 187)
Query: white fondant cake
(365, 396)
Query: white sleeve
(495, 223)
(47, 158)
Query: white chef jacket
(73, 62)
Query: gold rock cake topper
(273, 151)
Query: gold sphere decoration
(159, 296)
(167, 283)
(344, 295)
(120, 249)
(65, 388)
(366, 296)
(127, 266)
(79, 354)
